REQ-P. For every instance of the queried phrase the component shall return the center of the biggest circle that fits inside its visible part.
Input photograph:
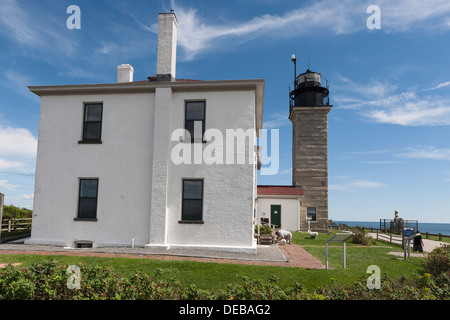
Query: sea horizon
(430, 227)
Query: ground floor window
(311, 213)
(192, 207)
(87, 202)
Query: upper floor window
(92, 123)
(195, 118)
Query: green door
(275, 215)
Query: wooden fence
(384, 234)
(10, 225)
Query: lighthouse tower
(308, 112)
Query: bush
(438, 261)
(360, 237)
(47, 280)
(264, 229)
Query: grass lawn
(217, 275)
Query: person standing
(418, 242)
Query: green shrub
(264, 229)
(438, 261)
(360, 237)
(47, 280)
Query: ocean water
(434, 228)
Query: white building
(279, 206)
(108, 169)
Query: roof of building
(279, 191)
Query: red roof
(279, 191)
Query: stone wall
(310, 162)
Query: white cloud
(18, 150)
(379, 102)
(27, 196)
(356, 185)
(425, 152)
(6, 185)
(367, 184)
(276, 120)
(405, 15)
(285, 172)
(31, 27)
(18, 82)
(382, 162)
(9, 165)
(414, 113)
(197, 35)
(439, 86)
(17, 142)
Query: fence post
(390, 238)
(9, 225)
(427, 236)
(440, 236)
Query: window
(195, 117)
(192, 207)
(87, 202)
(92, 124)
(311, 212)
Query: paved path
(271, 255)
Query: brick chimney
(125, 73)
(167, 46)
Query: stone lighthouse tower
(308, 112)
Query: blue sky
(389, 128)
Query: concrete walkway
(267, 255)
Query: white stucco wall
(290, 211)
(122, 163)
(228, 188)
(140, 189)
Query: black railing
(299, 95)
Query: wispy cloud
(382, 162)
(439, 86)
(425, 152)
(285, 172)
(197, 34)
(276, 120)
(354, 185)
(4, 184)
(18, 82)
(380, 102)
(30, 27)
